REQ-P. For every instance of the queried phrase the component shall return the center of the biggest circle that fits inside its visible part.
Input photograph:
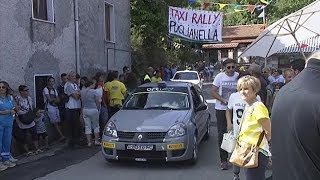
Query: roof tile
(242, 31)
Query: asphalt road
(84, 164)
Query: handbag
(245, 154)
(28, 117)
(229, 142)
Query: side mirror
(201, 107)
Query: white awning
(309, 45)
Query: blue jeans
(5, 142)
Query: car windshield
(186, 76)
(161, 100)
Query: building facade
(235, 39)
(41, 38)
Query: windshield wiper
(162, 107)
(132, 108)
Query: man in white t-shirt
(224, 84)
(234, 111)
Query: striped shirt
(40, 126)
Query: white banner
(195, 25)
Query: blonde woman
(255, 121)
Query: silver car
(159, 121)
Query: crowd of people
(244, 101)
(81, 105)
(78, 106)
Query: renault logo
(140, 137)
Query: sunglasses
(230, 67)
(26, 90)
(3, 87)
(264, 71)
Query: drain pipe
(77, 43)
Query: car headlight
(177, 130)
(110, 130)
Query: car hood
(189, 81)
(147, 120)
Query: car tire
(207, 135)
(195, 151)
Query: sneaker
(235, 177)
(224, 166)
(9, 164)
(97, 143)
(12, 159)
(3, 167)
(38, 151)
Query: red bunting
(251, 8)
(303, 46)
(206, 5)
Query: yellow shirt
(116, 91)
(251, 129)
(155, 79)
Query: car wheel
(194, 158)
(207, 135)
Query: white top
(71, 88)
(280, 79)
(53, 92)
(25, 105)
(99, 93)
(227, 85)
(237, 104)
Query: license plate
(175, 146)
(140, 159)
(108, 145)
(139, 147)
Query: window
(158, 100)
(43, 10)
(109, 22)
(283, 62)
(224, 53)
(186, 76)
(40, 82)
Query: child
(41, 127)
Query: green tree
(151, 43)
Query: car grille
(146, 136)
(150, 155)
(156, 135)
(125, 135)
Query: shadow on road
(46, 165)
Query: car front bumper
(173, 149)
